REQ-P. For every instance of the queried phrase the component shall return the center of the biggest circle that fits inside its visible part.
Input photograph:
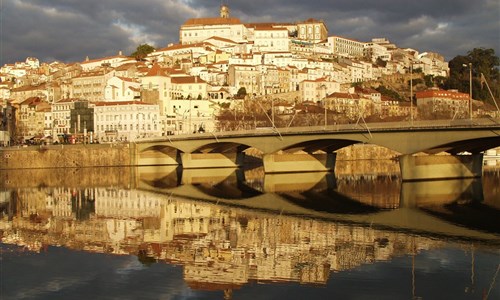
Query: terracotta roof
(343, 96)
(112, 103)
(221, 39)
(42, 86)
(67, 100)
(127, 79)
(92, 74)
(212, 21)
(442, 94)
(187, 80)
(32, 101)
(157, 70)
(258, 25)
(103, 58)
(268, 28)
(184, 46)
(311, 20)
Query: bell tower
(224, 11)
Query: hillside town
(223, 75)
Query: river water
(167, 233)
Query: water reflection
(231, 227)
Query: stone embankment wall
(77, 178)
(355, 159)
(66, 156)
(366, 160)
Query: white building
(269, 39)
(126, 121)
(190, 116)
(199, 29)
(312, 30)
(316, 90)
(121, 89)
(110, 61)
(346, 47)
(61, 115)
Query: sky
(71, 30)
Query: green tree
(482, 61)
(142, 51)
(242, 92)
(389, 93)
(429, 80)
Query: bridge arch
(474, 146)
(214, 149)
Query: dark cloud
(70, 30)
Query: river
(168, 233)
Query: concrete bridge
(307, 149)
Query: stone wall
(69, 178)
(368, 158)
(66, 156)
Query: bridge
(309, 149)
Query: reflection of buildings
(219, 247)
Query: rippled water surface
(165, 233)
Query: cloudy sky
(70, 30)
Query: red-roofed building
(316, 90)
(199, 29)
(20, 94)
(31, 117)
(344, 103)
(188, 87)
(110, 61)
(90, 85)
(436, 101)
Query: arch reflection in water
(264, 237)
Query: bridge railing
(379, 126)
(354, 127)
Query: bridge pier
(301, 162)
(212, 160)
(440, 167)
(153, 157)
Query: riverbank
(67, 156)
(123, 154)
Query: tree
(429, 80)
(242, 92)
(482, 61)
(142, 51)
(389, 93)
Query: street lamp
(418, 60)
(411, 93)
(470, 89)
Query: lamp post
(411, 93)
(418, 60)
(470, 89)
